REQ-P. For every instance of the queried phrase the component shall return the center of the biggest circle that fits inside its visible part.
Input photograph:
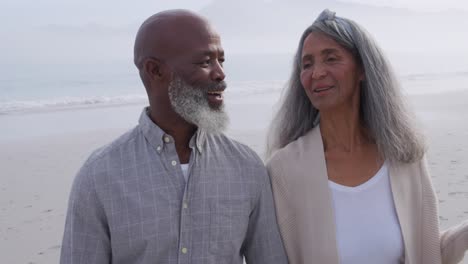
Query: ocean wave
(235, 90)
(434, 76)
(21, 106)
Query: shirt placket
(183, 205)
(185, 220)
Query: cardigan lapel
(319, 205)
(406, 191)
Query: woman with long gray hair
(347, 164)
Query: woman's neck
(342, 129)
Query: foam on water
(412, 84)
(21, 106)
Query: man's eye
(204, 63)
(331, 59)
(306, 65)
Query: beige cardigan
(306, 218)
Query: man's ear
(155, 68)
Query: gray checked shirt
(130, 203)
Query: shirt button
(158, 148)
(167, 139)
(185, 205)
(174, 163)
(184, 250)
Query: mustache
(218, 86)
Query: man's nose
(217, 73)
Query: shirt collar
(158, 138)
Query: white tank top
(185, 168)
(367, 227)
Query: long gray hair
(382, 108)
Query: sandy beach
(41, 152)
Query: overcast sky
(421, 5)
(76, 12)
(20, 13)
(79, 11)
(51, 30)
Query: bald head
(165, 34)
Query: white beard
(191, 103)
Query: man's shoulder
(114, 148)
(233, 148)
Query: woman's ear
(362, 75)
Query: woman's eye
(306, 65)
(331, 59)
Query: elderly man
(174, 189)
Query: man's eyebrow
(209, 53)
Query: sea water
(33, 88)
